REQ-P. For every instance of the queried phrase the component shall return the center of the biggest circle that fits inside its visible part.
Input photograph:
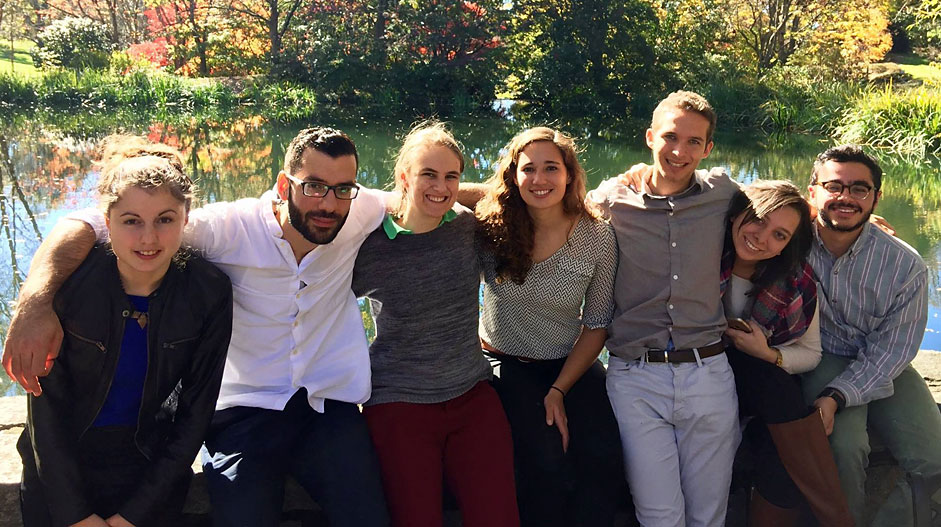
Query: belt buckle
(666, 354)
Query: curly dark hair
(505, 227)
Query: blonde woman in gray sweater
(433, 414)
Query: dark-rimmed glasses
(858, 191)
(316, 189)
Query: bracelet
(556, 388)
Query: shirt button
(295, 323)
(673, 244)
(294, 352)
(671, 213)
(675, 277)
(836, 271)
(670, 306)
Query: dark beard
(825, 216)
(314, 235)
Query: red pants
(465, 441)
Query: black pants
(112, 467)
(771, 396)
(582, 487)
(249, 451)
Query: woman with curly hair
(549, 266)
(127, 402)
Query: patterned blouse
(574, 287)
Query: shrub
(906, 122)
(73, 43)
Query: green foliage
(284, 101)
(95, 91)
(389, 58)
(73, 43)
(904, 122)
(587, 59)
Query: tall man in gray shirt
(873, 308)
(669, 381)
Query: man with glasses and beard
(298, 362)
(873, 305)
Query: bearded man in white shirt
(298, 362)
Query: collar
(696, 186)
(864, 236)
(393, 229)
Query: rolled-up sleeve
(599, 297)
(890, 348)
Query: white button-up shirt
(294, 325)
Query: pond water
(46, 172)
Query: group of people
(236, 326)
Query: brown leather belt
(494, 351)
(687, 355)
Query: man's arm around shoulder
(35, 334)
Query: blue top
(124, 397)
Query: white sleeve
(95, 219)
(371, 205)
(213, 228)
(803, 353)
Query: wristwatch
(836, 395)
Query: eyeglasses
(316, 189)
(858, 191)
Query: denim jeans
(249, 451)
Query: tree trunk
(199, 39)
(274, 34)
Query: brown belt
(494, 351)
(687, 355)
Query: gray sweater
(426, 288)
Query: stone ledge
(300, 510)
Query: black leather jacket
(190, 323)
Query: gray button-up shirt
(873, 307)
(669, 250)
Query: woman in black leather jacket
(147, 324)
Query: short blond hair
(690, 101)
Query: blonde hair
(505, 226)
(133, 161)
(422, 135)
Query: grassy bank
(904, 121)
(15, 58)
(153, 93)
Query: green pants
(908, 423)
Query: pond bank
(13, 417)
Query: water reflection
(46, 172)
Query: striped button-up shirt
(873, 307)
